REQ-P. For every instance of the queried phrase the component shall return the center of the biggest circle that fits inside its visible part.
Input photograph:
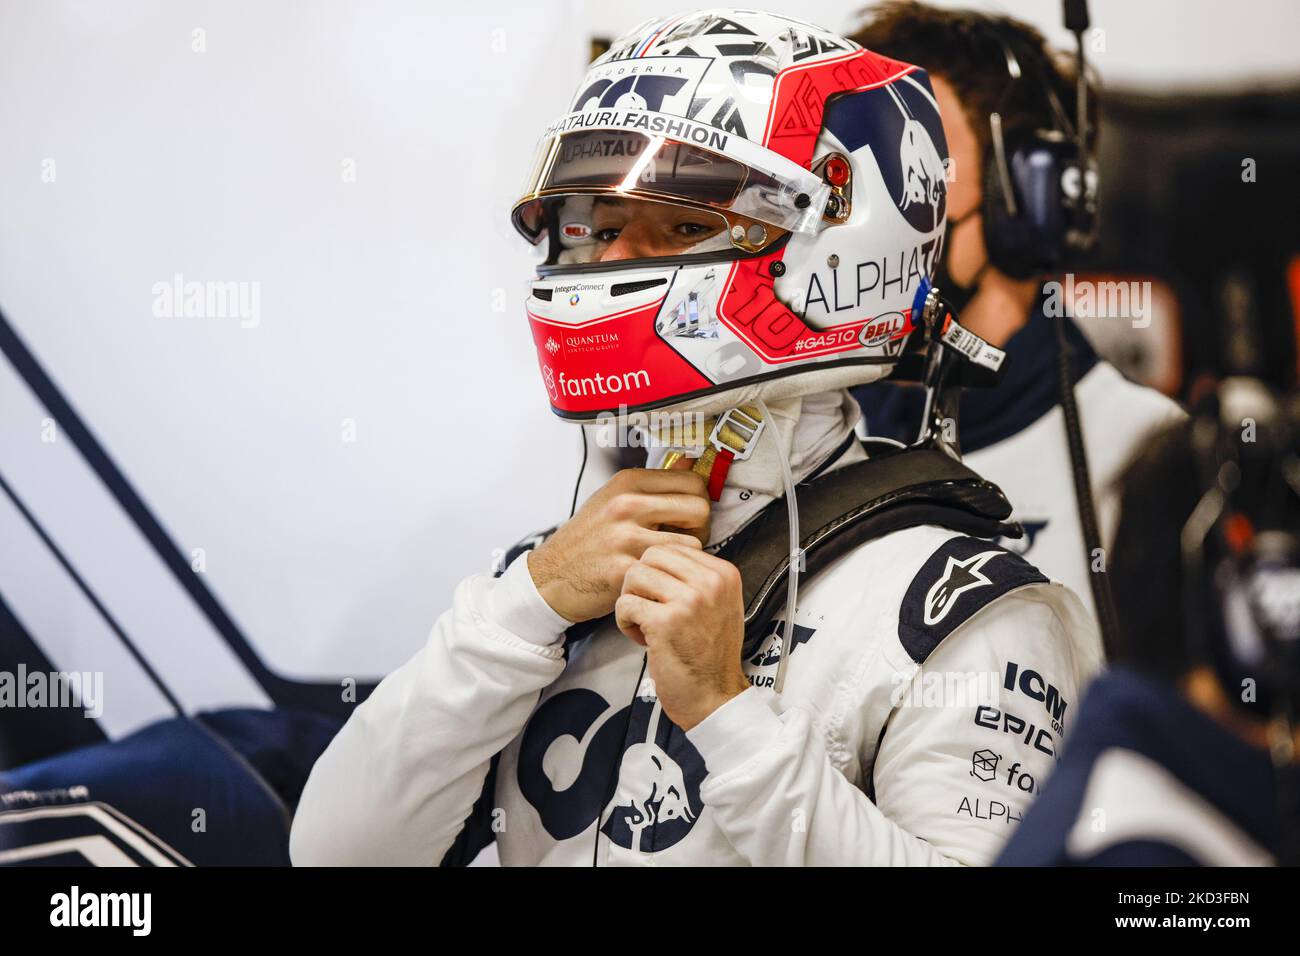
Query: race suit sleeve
(397, 784)
(781, 801)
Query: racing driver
(735, 215)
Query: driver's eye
(693, 228)
(607, 235)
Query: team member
(609, 698)
(1001, 91)
(1185, 753)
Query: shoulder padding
(955, 582)
(845, 508)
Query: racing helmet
(736, 206)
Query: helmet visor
(625, 164)
(607, 227)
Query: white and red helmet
(823, 166)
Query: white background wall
(394, 301)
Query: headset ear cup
(1033, 241)
(1008, 238)
(995, 218)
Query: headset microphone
(1083, 233)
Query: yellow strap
(703, 465)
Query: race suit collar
(1030, 386)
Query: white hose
(796, 555)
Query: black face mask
(958, 295)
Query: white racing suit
(932, 680)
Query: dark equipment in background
(1241, 567)
(1201, 195)
(1184, 750)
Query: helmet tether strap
(734, 438)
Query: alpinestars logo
(958, 578)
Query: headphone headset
(1040, 184)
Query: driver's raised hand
(579, 570)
